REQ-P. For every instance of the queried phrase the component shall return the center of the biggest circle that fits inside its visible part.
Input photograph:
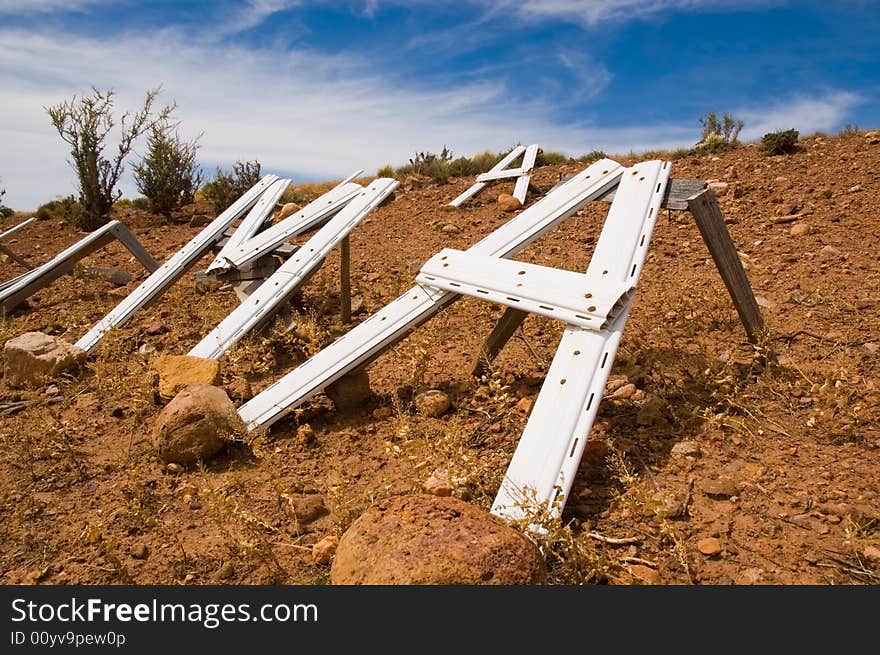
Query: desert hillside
(711, 461)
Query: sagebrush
(84, 123)
(228, 187)
(168, 175)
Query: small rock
(766, 303)
(173, 467)
(381, 413)
(438, 484)
(156, 327)
(357, 305)
(800, 229)
(731, 173)
(305, 435)
(720, 488)
(239, 389)
(686, 449)
(196, 425)
(720, 188)
(432, 403)
(308, 508)
(525, 404)
(872, 553)
(872, 138)
(645, 574)
(33, 357)
(626, 391)
(450, 228)
(288, 209)
(51, 390)
(871, 347)
(613, 385)
(226, 571)
(178, 371)
(830, 251)
(508, 203)
(854, 189)
(146, 350)
(324, 550)
(709, 546)
(140, 551)
(199, 220)
(350, 391)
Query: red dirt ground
(84, 499)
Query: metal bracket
(575, 298)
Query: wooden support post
(500, 335)
(345, 280)
(710, 221)
(127, 239)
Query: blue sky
(315, 90)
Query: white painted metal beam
(264, 301)
(16, 290)
(574, 298)
(156, 284)
(310, 216)
(546, 459)
(394, 321)
(522, 184)
(490, 176)
(479, 186)
(255, 219)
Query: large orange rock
(508, 203)
(177, 371)
(33, 357)
(196, 425)
(426, 539)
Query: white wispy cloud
(41, 6)
(315, 116)
(807, 114)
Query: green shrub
(167, 175)
(69, 209)
(5, 212)
(590, 157)
(717, 134)
(226, 187)
(779, 143)
(386, 171)
(850, 129)
(430, 164)
(550, 158)
(84, 124)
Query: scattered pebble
(709, 546)
(686, 449)
(324, 550)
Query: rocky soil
(711, 461)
